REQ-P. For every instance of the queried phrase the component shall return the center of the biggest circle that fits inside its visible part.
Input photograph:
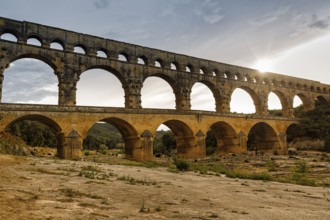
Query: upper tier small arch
(8, 36)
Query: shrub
(181, 164)
(301, 167)
(102, 149)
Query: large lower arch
(226, 138)
(52, 125)
(184, 137)
(293, 132)
(262, 137)
(130, 136)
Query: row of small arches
(142, 60)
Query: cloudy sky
(291, 37)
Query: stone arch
(123, 56)
(254, 96)
(80, 48)
(142, 60)
(101, 52)
(262, 137)
(31, 87)
(320, 100)
(307, 105)
(215, 72)
(51, 124)
(175, 66)
(112, 71)
(9, 35)
(226, 138)
(10, 31)
(159, 63)
(203, 70)
(184, 137)
(292, 132)
(283, 100)
(37, 56)
(215, 91)
(129, 134)
(189, 68)
(54, 44)
(157, 92)
(36, 37)
(172, 83)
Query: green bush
(102, 149)
(181, 164)
(301, 167)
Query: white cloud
(269, 17)
(309, 24)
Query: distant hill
(102, 134)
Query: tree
(34, 133)
(169, 142)
(316, 124)
(211, 143)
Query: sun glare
(262, 65)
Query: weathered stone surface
(132, 121)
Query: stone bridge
(69, 54)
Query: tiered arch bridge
(76, 53)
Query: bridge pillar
(68, 78)
(133, 93)
(227, 145)
(67, 94)
(191, 147)
(223, 105)
(267, 145)
(139, 149)
(290, 110)
(72, 146)
(201, 146)
(242, 142)
(262, 105)
(183, 98)
(146, 146)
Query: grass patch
(94, 172)
(272, 166)
(75, 193)
(133, 181)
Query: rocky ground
(48, 188)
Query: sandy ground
(41, 188)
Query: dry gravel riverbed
(44, 188)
